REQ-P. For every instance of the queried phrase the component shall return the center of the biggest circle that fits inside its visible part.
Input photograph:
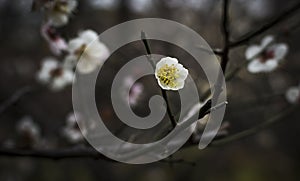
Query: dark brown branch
(164, 92)
(225, 30)
(53, 153)
(71, 153)
(216, 51)
(282, 17)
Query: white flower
(54, 74)
(135, 91)
(71, 130)
(265, 57)
(88, 48)
(29, 130)
(292, 95)
(170, 74)
(58, 11)
(56, 43)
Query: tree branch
(282, 17)
(164, 92)
(251, 131)
(226, 34)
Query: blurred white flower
(54, 74)
(71, 130)
(135, 91)
(292, 95)
(88, 48)
(59, 11)
(56, 43)
(257, 9)
(170, 74)
(29, 130)
(140, 6)
(266, 56)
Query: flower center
(61, 7)
(56, 72)
(168, 75)
(80, 50)
(266, 55)
(52, 33)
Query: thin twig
(282, 17)
(164, 92)
(53, 154)
(226, 34)
(71, 153)
(178, 161)
(216, 51)
(252, 131)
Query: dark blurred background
(272, 154)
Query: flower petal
(48, 64)
(170, 60)
(57, 19)
(267, 40)
(256, 66)
(253, 51)
(70, 62)
(97, 50)
(75, 44)
(271, 65)
(86, 66)
(292, 95)
(88, 36)
(280, 50)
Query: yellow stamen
(61, 7)
(168, 75)
(80, 50)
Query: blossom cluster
(266, 57)
(29, 133)
(84, 52)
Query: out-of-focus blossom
(170, 74)
(29, 131)
(255, 8)
(135, 91)
(89, 49)
(53, 74)
(103, 4)
(293, 95)
(56, 43)
(140, 5)
(200, 5)
(71, 130)
(266, 56)
(59, 11)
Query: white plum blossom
(89, 49)
(266, 56)
(292, 95)
(29, 130)
(53, 74)
(56, 43)
(71, 130)
(135, 91)
(170, 74)
(59, 11)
